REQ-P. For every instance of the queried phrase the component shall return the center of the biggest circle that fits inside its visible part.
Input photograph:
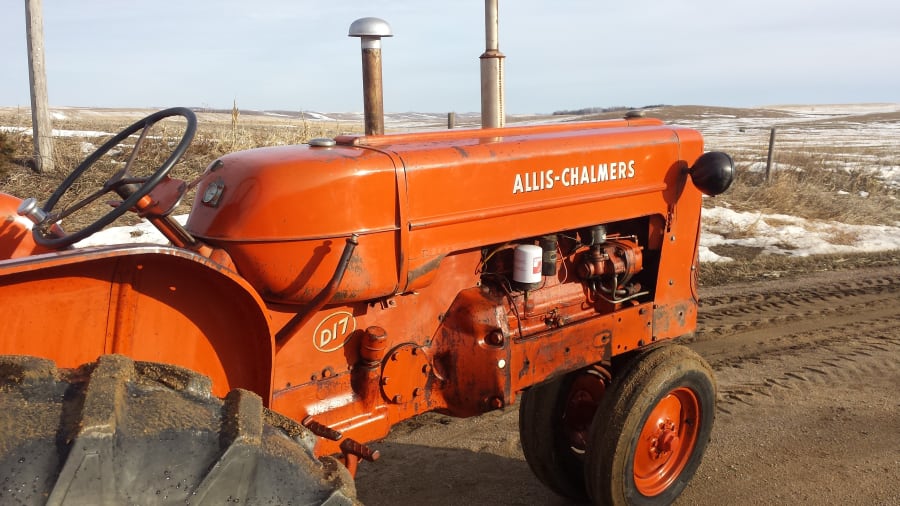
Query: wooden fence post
(771, 152)
(37, 76)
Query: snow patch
(778, 234)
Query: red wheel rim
(583, 399)
(666, 441)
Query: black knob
(713, 172)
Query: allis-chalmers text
(572, 176)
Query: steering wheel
(131, 189)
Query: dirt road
(808, 410)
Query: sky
(560, 55)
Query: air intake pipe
(370, 31)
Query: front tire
(656, 423)
(554, 422)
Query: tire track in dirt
(807, 409)
(763, 319)
(772, 293)
(832, 361)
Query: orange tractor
(319, 294)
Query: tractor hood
(295, 193)
(284, 213)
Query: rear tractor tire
(120, 432)
(652, 428)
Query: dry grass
(810, 190)
(215, 137)
(742, 231)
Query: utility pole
(37, 77)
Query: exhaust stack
(370, 31)
(492, 108)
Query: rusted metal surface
(373, 94)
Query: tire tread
(123, 432)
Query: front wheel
(657, 420)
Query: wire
(484, 260)
(564, 267)
(625, 299)
(599, 291)
(515, 307)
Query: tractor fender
(149, 302)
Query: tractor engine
(541, 307)
(565, 277)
